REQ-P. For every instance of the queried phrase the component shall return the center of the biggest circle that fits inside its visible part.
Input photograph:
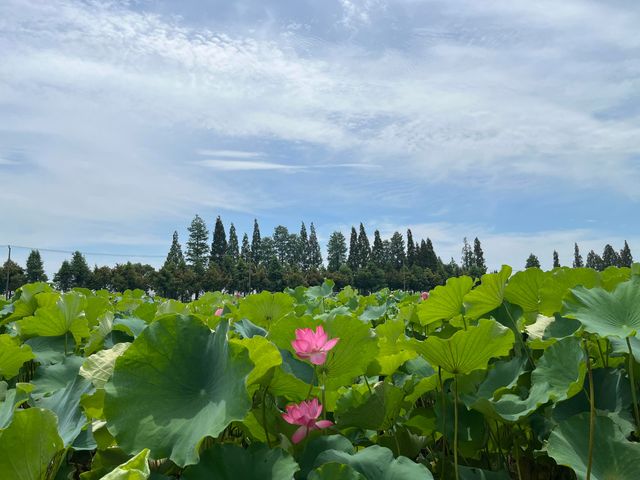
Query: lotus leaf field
(532, 375)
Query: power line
(95, 254)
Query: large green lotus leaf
(11, 399)
(393, 350)
(66, 405)
(614, 313)
(502, 377)
(612, 276)
(316, 445)
(95, 307)
(264, 354)
(30, 446)
(558, 284)
(467, 350)
(613, 456)
(377, 463)
(47, 350)
(27, 302)
(320, 291)
(264, 308)
(51, 378)
(12, 356)
(620, 346)
(524, 289)
(354, 352)
(135, 469)
(370, 411)
(487, 296)
(98, 367)
(66, 316)
(99, 333)
(559, 375)
(232, 462)
(335, 471)
(132, 326)
(445, 302)
(612, 394)
(177, 383)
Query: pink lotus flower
(305, 414)
(313, 345)
(424, 295)
(218, 312)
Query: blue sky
(514, 121)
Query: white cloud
(229, 153)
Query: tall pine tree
(430, 257)
(411, 249)
(467, 256)
(532, 261)
(556, 260)
(175, 256)
(245, 250)
(302, 248)
(232, 247)
(610, 257)
(364, 249)
(80, 270)
(336, 251)
(377, 251)
(626, 259)
(256, 244)
(219, 244)
(397, 256)
(354, 252)
(35, 268)
(64, 277)
(577, 258)
(594, 261)
(315, 254)
(478, 257)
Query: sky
(514, 121)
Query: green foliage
(493, 372)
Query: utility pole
(6, 292)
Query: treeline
(284, 259)
(609, 258)
(222, 261)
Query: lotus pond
(531, 375)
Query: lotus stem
(455, 426)
(264, 416)
(519, 335)
(517, 452)
(324, 389)
(634, 396)
(444, 411)
(592, 412)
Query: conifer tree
(364, 249)
(478, 257)
(556, 260)
(532, 261)
(315, 254)
(245, 250)
(397, 256)
(302, 248)
(256, 244)
(626, 259)
(430, 257)
(80, 270)
(35, 268)
(354, 259)
(467, 256)
(197, 245)
(64, 277)
(175, 256)
(15, 274)
(232, 248)
(377, 251)
(610, 257)
(577, 258)
(411, 249)
(282, 245)
(219, 244)
(336, 251)
(594, 261)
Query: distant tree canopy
(283, 260)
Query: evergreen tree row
(282, 260)
(609, 258)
